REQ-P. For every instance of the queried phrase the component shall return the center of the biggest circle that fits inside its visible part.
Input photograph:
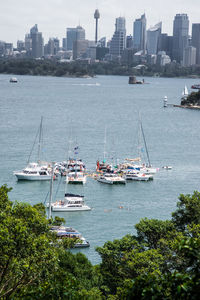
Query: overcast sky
(54, 16)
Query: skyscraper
(180, 36)
(37, 42)
(118, 40)
(96, 16)
(139, 33)
(74, 34)
(153, 36)
(189, 56)
(196, 40)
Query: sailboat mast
(51, 191)
(40, 138)
(104, 148)
(145, 143)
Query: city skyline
(16, 18)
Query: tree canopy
(162, 261)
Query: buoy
(165, 101)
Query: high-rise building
(28, 42)
(129, 41)
(74, 34)
(96, 16)
(180, 36)
(189, 56)
(196, 40)
(80, 48)
(37, 42)
(52, 47)
(20, 45)
(153, 37)
(139, 34)
(118, 40)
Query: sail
(185, 91)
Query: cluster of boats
(74, 171)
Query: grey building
(139, 34)
(74, 34)
(118, 41)
(165, 43)
(28, 42)
(196, 40)
(52, 47)
(37, 42)
(129, 41)
(20, 45)
(180, 36)
(153, 38)
(189, 56)
(79, 49)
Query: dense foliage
(192, 99)
(162, 261)
(53, 67)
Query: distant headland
(84, 68)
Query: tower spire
(96, 16)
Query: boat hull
(32, 177)
(76, 180)
(72, 209)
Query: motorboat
(76, 178)
(167, 167)
(34, 171)
(137, 176)
(111, 178)
(69, 232)
(195, 86)
(13, 79)
(71, 202)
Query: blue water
(83, 108)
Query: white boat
(111, 178)
(138, 176)
(76, 178)
(185, 92)
(13, 79)
(167, 167)
(71, 202)
(134, 164)
(35, 170)
(69, 232)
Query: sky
(54, 16)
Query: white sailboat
(185, 92)
(135, 164)
(35, 170)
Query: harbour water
(82, 108)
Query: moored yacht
(71, 202)
(137, 176)
(34, 171)
(76, 178)
(111, 178)
(69, 232)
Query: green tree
(188, 211)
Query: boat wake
(87, 84)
